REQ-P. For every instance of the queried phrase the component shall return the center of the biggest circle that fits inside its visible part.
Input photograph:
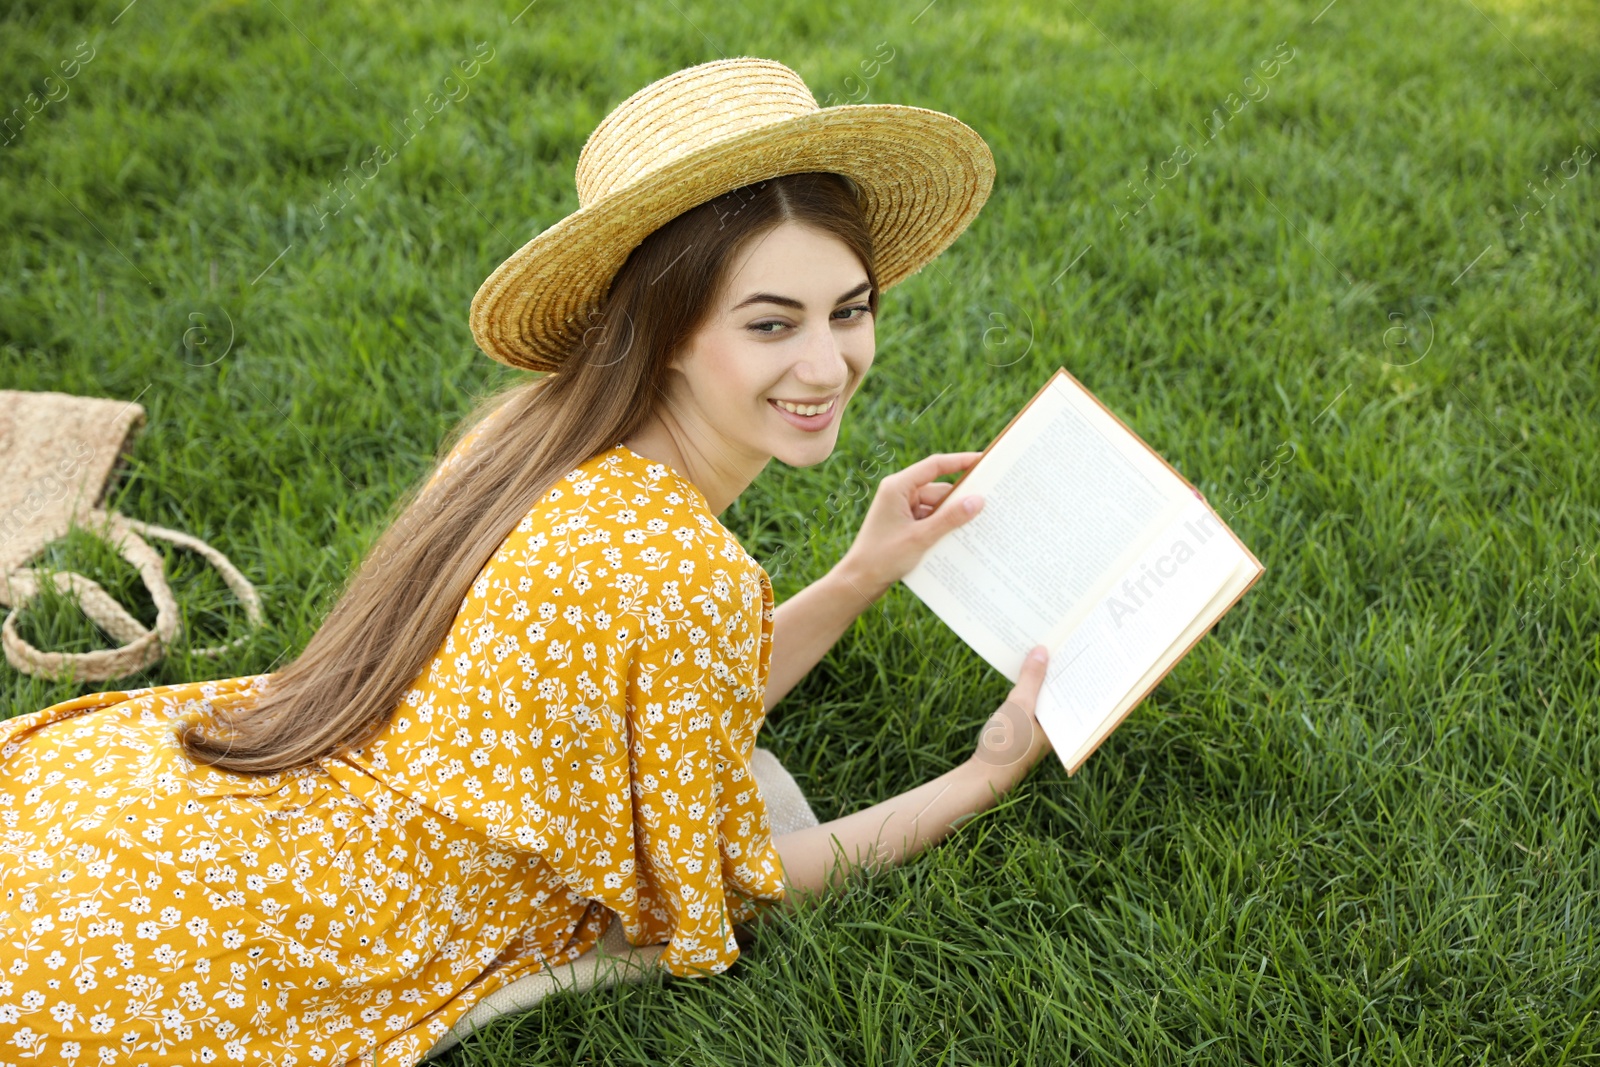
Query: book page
(1070, 499)
(1242, 578)
(1129, 629)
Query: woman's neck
(696, 454)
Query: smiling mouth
(806, 409)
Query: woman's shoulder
(468, 446)
(620, 513)
(618, 492)
(617, 511)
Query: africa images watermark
(1550, 583)
(45, 490)
(869, 70)
(1135, 592)
(19, 117)
(355, 181)
(1258, 484)
(1219, 118)
(1581, 155)
(857, 484)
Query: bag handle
(140, 646)
(231, 575)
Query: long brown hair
(397, 608)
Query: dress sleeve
(604, 717)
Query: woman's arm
(903, 520)
(894, 830)
(886, 834)
(806, 625)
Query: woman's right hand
(1012, 741)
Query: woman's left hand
(904, 520)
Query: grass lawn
(1358, 823)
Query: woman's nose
(825, 367)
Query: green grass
(1357, 823)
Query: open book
(1092, 545)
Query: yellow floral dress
(577, 752)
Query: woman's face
(792, 329)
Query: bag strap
(231, 575)
(141, 647)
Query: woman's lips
(810, 423)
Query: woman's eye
(760, 327)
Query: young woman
(533, 710)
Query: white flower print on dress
(577, 753)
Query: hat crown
(684, 113)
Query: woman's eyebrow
(790, 302)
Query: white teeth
(804, 409)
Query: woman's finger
(934, 492)
(930, 467)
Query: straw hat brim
(923, 176)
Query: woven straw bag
(59, 452)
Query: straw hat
(699, 133)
